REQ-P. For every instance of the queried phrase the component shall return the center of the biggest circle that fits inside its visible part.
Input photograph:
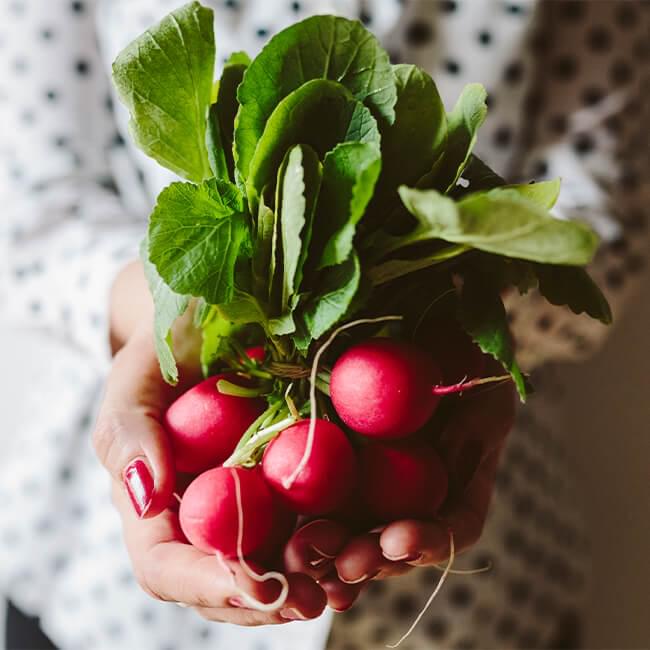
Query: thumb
(129, 438)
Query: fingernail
(363, 578)
(139, 485)
(319, 562)
(235, 602)
(290, 614)
(407, 557)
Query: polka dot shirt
(568, 84)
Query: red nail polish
(139, 485)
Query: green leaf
(215, 145)
(417, 137)
(168, 306)
(320, 114)
(483, 317)
(463, 124)
(164, 78)
(242, 309)
(574, 288)
(479, 176)
(320, 47)
(544, 194)
(263, 266)
(350, 172)
(196, 235)
(333, 297)
(300, 184)
(216, 333)
(502, 222)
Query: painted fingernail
(407, 557)
(290, 614)
(139, 485)
(235, 602)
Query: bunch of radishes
(369, 458)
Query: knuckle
(108, 440)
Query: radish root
(443, 577)
(253, 603)
(290, 480)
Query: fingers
(313, 547)
(361, 560)
(128, 437)
(340, 596)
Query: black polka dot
(65, 474)
(296, 6)
(583, 144)
(448, 6)
(641, 49)
(519, 591)
(146, 615)
(262, 32)
(636, 221)
(599, 38)
(539, 41)
(619, 246)
(513, 541)
(564, 67)
(572, 9)
(460, 595)
(514, 9)
(376, 589)
(51, 95)
(626, 15)
(613, 124)
(528, 639)
(437, 629)
(365, 17)
(629, 180)
(20, 65)
(484, 37)
(490, 100)
(506, 626)
(35, 306)
(77, 6)
(405, 606)
(47, 34)
(82, 67)
(558, 124)
(118, 140)
(514, 72)
(60, 141)
(452, 67)
(523, 504)
(592, 95)
(621, 72)
(502, 136)
(381, 634)
(419, 33)
(27, 117)
(114, 630)
(614, 279)
(17, 7)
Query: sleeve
(587, 116)
(63, 231)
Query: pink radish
(205, 425)
(256, 353)
(403, 480)
(328, 475)
(209, 513)
(383, 388)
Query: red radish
(382, 388)
(205, 425)
(210, 517)
(327, 477)
(256, 353)
(403, 480)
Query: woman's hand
(471, 447)
(134, 448)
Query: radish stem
(464, 385)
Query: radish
(205, 425)
(403, 480)
(209, 513)
(383, 388)
(326, 478)
(256, 353)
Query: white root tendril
(291, 479)
(177, 496)
(441, 582)
(248, 600)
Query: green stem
(262, 421)
(396, 268)
(226, 387)
(262, 437)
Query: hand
(471, 446)
(134, 448)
